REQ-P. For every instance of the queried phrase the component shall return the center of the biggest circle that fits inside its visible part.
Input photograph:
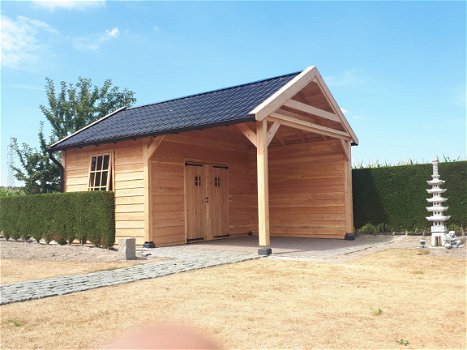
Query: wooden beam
(154, 145)
(325, 90)
(284, 118)
(149, 148)
(348, 209)
(312, 110)
(345, 149)
(286, 92)
(263, 183)
(249, 134)
(272, 131)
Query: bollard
(127, 248)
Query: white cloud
(348, 78)
(113, 33)
(52, 5)
(23, 40)
(348, 114)
(94, 42)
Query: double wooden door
(207, 201)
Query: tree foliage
(69, 109)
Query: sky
(397, 69)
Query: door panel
(207, 201)
(218, 203)
(195, 187)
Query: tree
(69, 110)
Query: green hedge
(86, 216)
(396, 196)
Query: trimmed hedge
(86, 216)
(396, 196)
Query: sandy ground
(55, 252)
(21, 261)
(14, 270)
(267, 304)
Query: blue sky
(398, 69)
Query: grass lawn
(16, 270)
(267, 304)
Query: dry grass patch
(15, 270)
(267, 304)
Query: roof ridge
(215, 90)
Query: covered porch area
(286, 174)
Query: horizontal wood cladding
(306, 184)
(306, 190)
(127, 182)
(168, 171)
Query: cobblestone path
(181, 260)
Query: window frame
(101, 171)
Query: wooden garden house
(272, 158)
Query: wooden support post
(149, 147)
(263, 186)
(349, 225)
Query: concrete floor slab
(285, 247)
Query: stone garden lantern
(438, 229)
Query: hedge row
(86, 216)
(395, 197)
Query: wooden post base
(265, 251)
(149, 245)
(350, 236)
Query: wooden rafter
(325, 90)
(289, 90)
(312, 110)
(286, 118)
(249, 134)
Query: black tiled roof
(214, 108)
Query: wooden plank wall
(128, 182)
(306, 190)
(306, 185)
(168, 169)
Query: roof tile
(219, 107)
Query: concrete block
(127, 247)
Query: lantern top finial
(435, 163)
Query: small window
(197, 181)
(217, 181)
(100, 173)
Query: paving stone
(181, 260)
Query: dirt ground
(15, 270)
(55, 252)
(21, 261)
(371, 302)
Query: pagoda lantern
(437, 218)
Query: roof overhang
(284, 107)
